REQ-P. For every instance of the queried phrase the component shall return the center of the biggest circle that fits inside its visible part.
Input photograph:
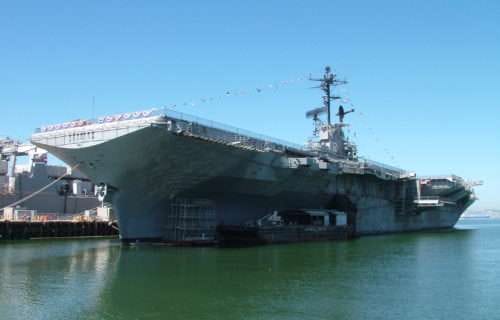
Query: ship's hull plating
(147, 170)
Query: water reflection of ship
(55, 280)
(324, 280)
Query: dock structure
(192, 221)
(25, 230)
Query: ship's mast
(332, 141)
(329, 79)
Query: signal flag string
(374, 136)
(238, 93)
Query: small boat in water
(287, 227)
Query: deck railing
(191, 118)
(384, 167)
(234, 131)
(221, 126)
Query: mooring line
(41, 189)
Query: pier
(25, 230)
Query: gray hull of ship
(147, 170)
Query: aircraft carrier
(175, 177)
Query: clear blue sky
(424, 75)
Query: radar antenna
(341, 113)
(329, 79)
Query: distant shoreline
(477, 217)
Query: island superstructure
(174, 177)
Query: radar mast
(328, 80)
(332, 140)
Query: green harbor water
(432, 275)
